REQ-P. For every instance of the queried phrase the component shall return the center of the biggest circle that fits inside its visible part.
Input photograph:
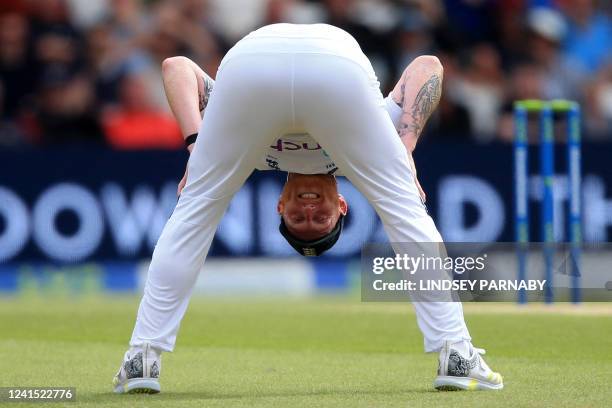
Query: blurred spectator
(16, 68)
(341, 13)
(109, 58)
(526, 82)
(10, 134)
(480, 90)
(65, 109)
(510, 31)
(377, 44)
(471, 21)
(292, 11)
(107, 61)
(173, 34)
(128, 18)
(80, 52)
(235, 18)
(136, 123)
(562, 76)
(451, 122)
(86, 13)
(598, 106)
(414, 38)
(55, 39)
(13, 6)
(589, 37)
(203, 43)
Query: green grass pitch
(324, 352)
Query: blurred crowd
(88, 71)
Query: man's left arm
(417, 93)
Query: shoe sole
(139, 386)
(448, 383)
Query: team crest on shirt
(293, 145)
(298, 153)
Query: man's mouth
(309, 196)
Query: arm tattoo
(425, 102)
(402, 101)
(205, 96)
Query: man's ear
(343, 204)
(280, 207)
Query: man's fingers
(181, 185)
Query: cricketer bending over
(302, 99)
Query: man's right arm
(188, 89)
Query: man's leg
(415, 97)
(216, 171)
(250, 103)
(343, 111)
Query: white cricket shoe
(139, 372)
(458, 371)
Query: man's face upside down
(311, 205)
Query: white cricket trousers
(267, 87)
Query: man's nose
(309, 207)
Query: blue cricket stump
(574, 183)
(521, 178)
(547, 175)
(546, 110)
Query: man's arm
(417, 93)
(187, 89)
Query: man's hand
(183, 181)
